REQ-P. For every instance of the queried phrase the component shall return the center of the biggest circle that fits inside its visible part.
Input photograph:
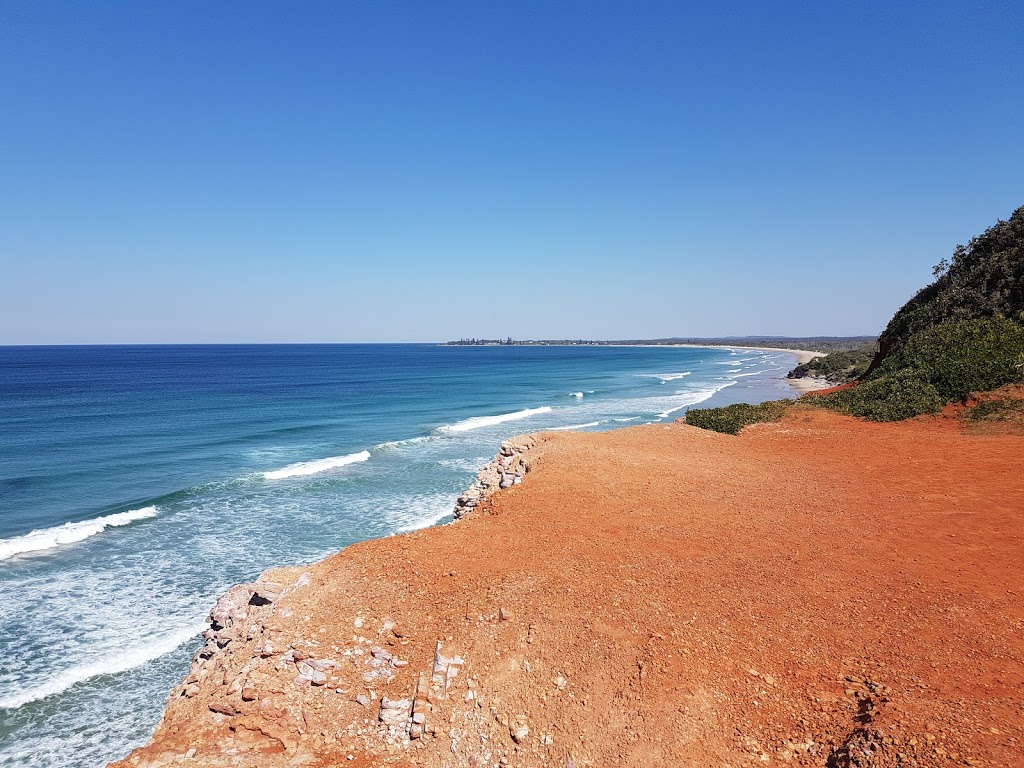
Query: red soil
(820, 591)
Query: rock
(560, 683)
(248, 693)
(519, 733)
(394, 712)
(504, 614)
(191, 753)
(363, 699)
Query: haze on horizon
(402, 171)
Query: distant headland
(823, 343)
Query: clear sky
(417, 171)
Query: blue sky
(267, 172)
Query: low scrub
(730, 419)
(934, 367)
(891, 397)
(1001, 409)
(964, 357)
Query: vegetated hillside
(963, 333)
(984, 279)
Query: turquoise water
(138, 483)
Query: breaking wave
(51, 538)
(478, 422)
(402, 443)
(313, 467)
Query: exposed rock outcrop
(506, 469)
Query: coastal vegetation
(961, 334)
(732, 418)
(997, 409)
(984, 279)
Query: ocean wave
(314, 467)
(627, 418)
(664, 377)
(577, 395)
(574, 426)
(478, 422)
(401, 443)
(121, 660)
(51, 538)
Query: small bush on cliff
(1002, 409)
(731, 419)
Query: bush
(890, 397)
(934, 367)
(731, 419)
(964, 357)
(1004, 409)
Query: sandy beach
(803, 593)
(802, 355)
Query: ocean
(138, 483)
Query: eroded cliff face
(814, 592)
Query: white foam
(575, 426)
(428, 519)
(628, 418)
(477, 422)
(313, 467)
(401, 443)
(666, 376)
(577, 395)
(692, 399)
(139, 653)
(50, 538)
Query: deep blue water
(138, 483)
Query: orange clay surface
(816, 592)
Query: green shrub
(1005, 409)
(731, 419)
(890, 397)
(959, 358)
